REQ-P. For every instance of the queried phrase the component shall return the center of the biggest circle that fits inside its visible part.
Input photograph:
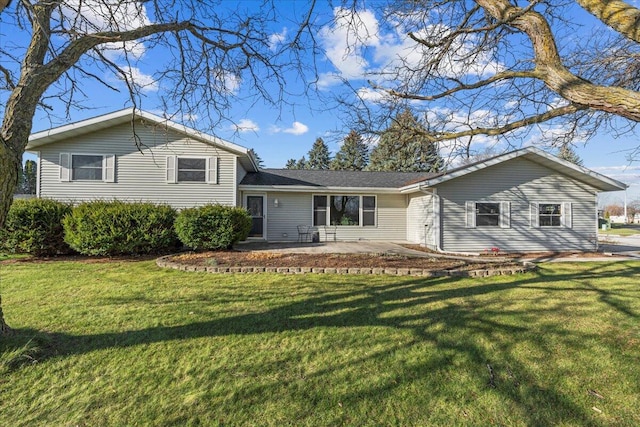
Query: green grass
(621, 230)
(126, 343)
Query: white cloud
(345, 40)
(296, 128)
(359, 49)
(91, 16)
(226, 82)
(277, 39)
(246, 125)
(144, 81)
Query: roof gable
(599, 181)
(128, 115)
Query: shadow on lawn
(424, 307)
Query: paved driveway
(622, 245)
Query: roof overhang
(594, 179)
(317, 189)
(129, 115)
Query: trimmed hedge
(212, 227)
(120, 228)
(34, 226)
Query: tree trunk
(9, 164)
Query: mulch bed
(276, 259)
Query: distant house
(525, 200)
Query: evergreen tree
(405, 147)
(301, 164)
(319, 155)
(353, 155)
(257, 158)
(29, 177)
(291, 164)
(567, 153)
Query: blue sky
(288, 132)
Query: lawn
(125, 343)
(621, 230)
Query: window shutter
(470, 214)
(505, 214)
(109, 168)
(65, 165)
(171, 169)
(534, 216)
(567, 215)
(212, 170)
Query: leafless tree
(504, 69)
(209, 49)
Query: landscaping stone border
(167, 262)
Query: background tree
(208, 51)
(567, 153)
(319, 157)
(291, 164)
(301, 163)
(405, 147)
(257, 158)
(29, 177)
(353, 154)
(504, 70)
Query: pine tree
(319, 155)
(257, 158)
(301, 164)
(567, 153)
(405, 147)
(353, 155)
(291, 164)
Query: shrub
(120, 228)
(34, 226)
(212, 226)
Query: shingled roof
(332, 178)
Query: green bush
(120, 228)
(34, 226)
(212, 226)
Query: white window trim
(66, 167)
(360, 210)
(210, 171)
(566, 214)
(504, 216)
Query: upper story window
(86, 167)
(192, 169)
(348, 210)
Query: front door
(255, 206)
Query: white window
(87, 167)
(344, 210)
(551, 214)
(192, 169)
(488, 214)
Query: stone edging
(166, 262)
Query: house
(525, 200)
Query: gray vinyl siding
(519, 182)
(420, 219)
(140, 174)
(240, 173)
(296, 209)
